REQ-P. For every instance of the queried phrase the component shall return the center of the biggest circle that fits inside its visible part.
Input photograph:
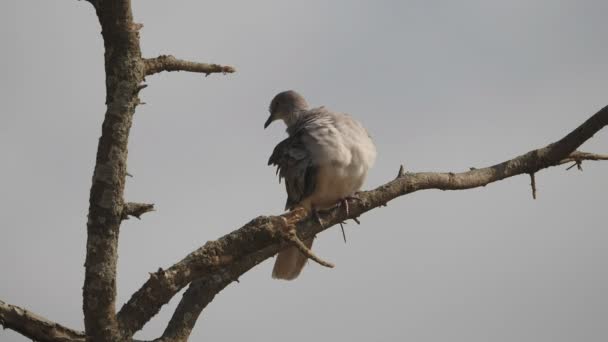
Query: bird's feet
(315, 214)
(344, 203)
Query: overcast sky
(441, 86)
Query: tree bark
(124, 74)
(212, 267)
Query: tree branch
(124, 74)
(288, 233)
(170, 63)
(202, 291)
(136, 209)
(578, 157)
(231, 255)
(36, 327)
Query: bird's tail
(289, 262)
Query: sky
(440, 85)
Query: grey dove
(324, 161)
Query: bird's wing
(294, 163)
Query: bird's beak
(269, 121)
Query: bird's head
(285, 106)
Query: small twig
(577, 157)
(293, 238)
(533, 184)
(288, 232)
(136, 209)
(170, 63)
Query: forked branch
(254, 242)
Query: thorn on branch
(158, 274)
(136, 209)
(141, 86)
(578, 164)
(533, 184)
(136, 27)
(401, 172)
(343, 233)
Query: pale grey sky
(441, 85)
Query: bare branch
(136, 209)
(289, 233)
(124, 76)
(170, 63)
(202, 291)
(578, 157)
(36, 327)
(230, 256)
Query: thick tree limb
(36, 327)
(232, 252)
(202, 291)
(170, 63)
(124, 74)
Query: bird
(324, 161)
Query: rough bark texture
(170, 63)
(36, 327)
(124, 73)
(212, 267)
(202, 291)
